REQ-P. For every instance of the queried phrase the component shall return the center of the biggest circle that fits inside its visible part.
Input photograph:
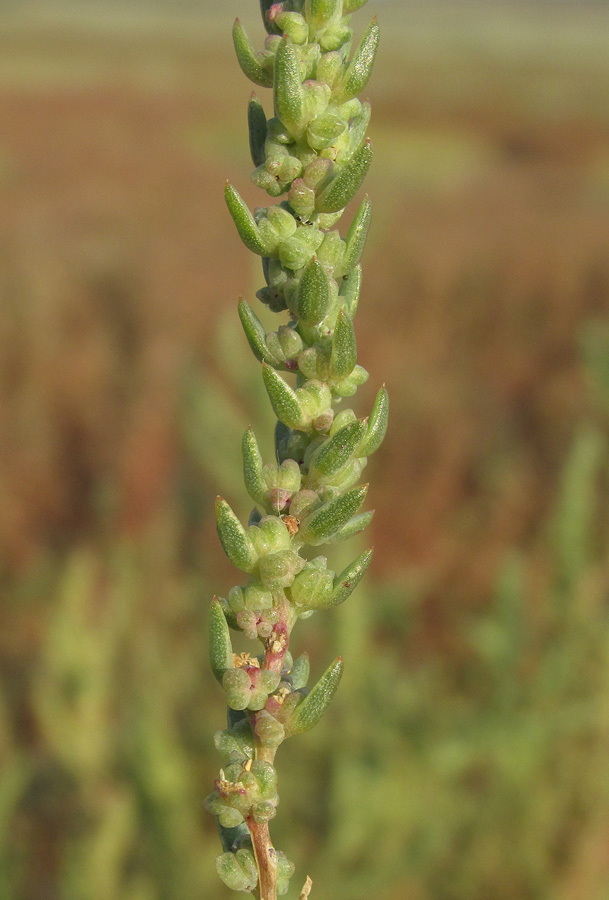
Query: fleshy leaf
(345, 185)
(220, 647)
(377, 424)
(244, 220)
(314, 705)
(237, 545)
(344, 347)
(360, 68)
(349, 578)
(256, 122)
(324, 523)
(251, 66)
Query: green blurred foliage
(466, 751)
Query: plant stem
(266, 860)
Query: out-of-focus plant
(315, 153)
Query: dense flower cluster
(314, 153)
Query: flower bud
(238, 870)
(296, 251)
(256, 597)
(316, 98)
(303, 503)
(334, 37)
(285, 344)
(269, 536)
(313, 587)
(248, 687)
(317, 173)
(268, 730)
(301, 199)
(277, 570)
(345, 417)
(325, 130)
(285, 870)
(332, 250)
(314, 397)
(329, 67)
(346, 387)
(294, 25)
(299, 673)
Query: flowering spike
(349, 578)
(254, 332)
(377, 424)
(358, 73)
(356, 236)
(323, 524)
(244, 220)
(344, 347)
(313, 296)
(220, 647)
(313, 153)
(257, 127)
(237, 545)
(317, 700)
(288, 92)
(347, 182)
(251, 66)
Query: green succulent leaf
(345, 185)
(288, 92)
(377, 424)
(314, 705)
(328, 520)
(349, 578)
(256, 123)
(220, 647)
(356, 236)
(255, 334)
(313, 298)
(337, 451)
(252, 467)
(360, 68)
(353, 526)
(344, 348)
(250, 64)
(283, 399)
(237, 545)
(244, 220)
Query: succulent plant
(314, 154)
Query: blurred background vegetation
(465, 757)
